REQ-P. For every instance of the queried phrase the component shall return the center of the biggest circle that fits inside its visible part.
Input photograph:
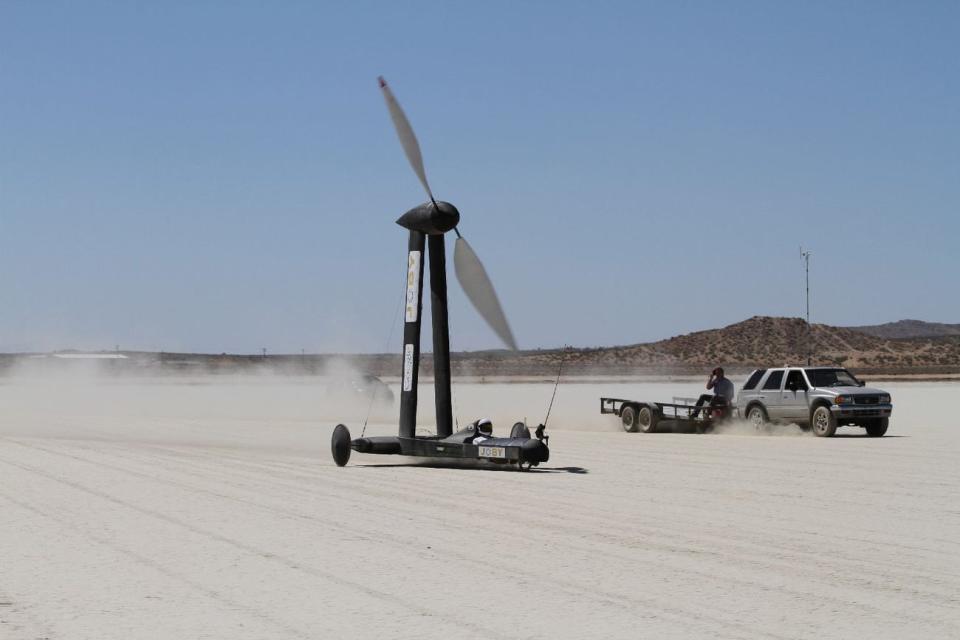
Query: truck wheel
(628, 415)
(878, 427)
(757, 417)
(822, 422)
(647, 419)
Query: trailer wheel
(647, 419)
(628, 415)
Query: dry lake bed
(210, 508)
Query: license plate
(492, 452)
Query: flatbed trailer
(638, 415)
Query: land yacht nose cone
(431, 219)
(534, 451)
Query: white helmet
(485, 426)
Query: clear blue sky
(223, 176)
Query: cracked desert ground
(210, 508)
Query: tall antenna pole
(806, 258)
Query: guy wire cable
(555, 385)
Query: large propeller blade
(407, 137)
(470, 272)
(476, 284)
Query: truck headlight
(885, 399)
(843, 400)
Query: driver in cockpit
(484, 429)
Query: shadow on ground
(474, 465)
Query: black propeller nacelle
(431, 218)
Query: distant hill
(910, 329)
(757, 342)
(767, 341)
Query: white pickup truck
(819, 398)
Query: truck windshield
(832, 378)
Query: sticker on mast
(413, 286)
(408, 367)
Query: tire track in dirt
(455, 622)
(16, 623)
(231, 605)
(811, 556)
(683, 617)
(814, 555)
(572, 534)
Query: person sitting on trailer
(484, 430)
(722, 395)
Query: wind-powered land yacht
(427, 224)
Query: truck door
(794, 403)
(770, 394)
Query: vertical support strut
(411, 335)
(441, 335)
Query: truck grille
(866, 399)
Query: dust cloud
(37, 396)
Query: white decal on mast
(408, 367)
(413, 286)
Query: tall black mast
(441, 335)
(433, 219)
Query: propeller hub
(432, 218)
